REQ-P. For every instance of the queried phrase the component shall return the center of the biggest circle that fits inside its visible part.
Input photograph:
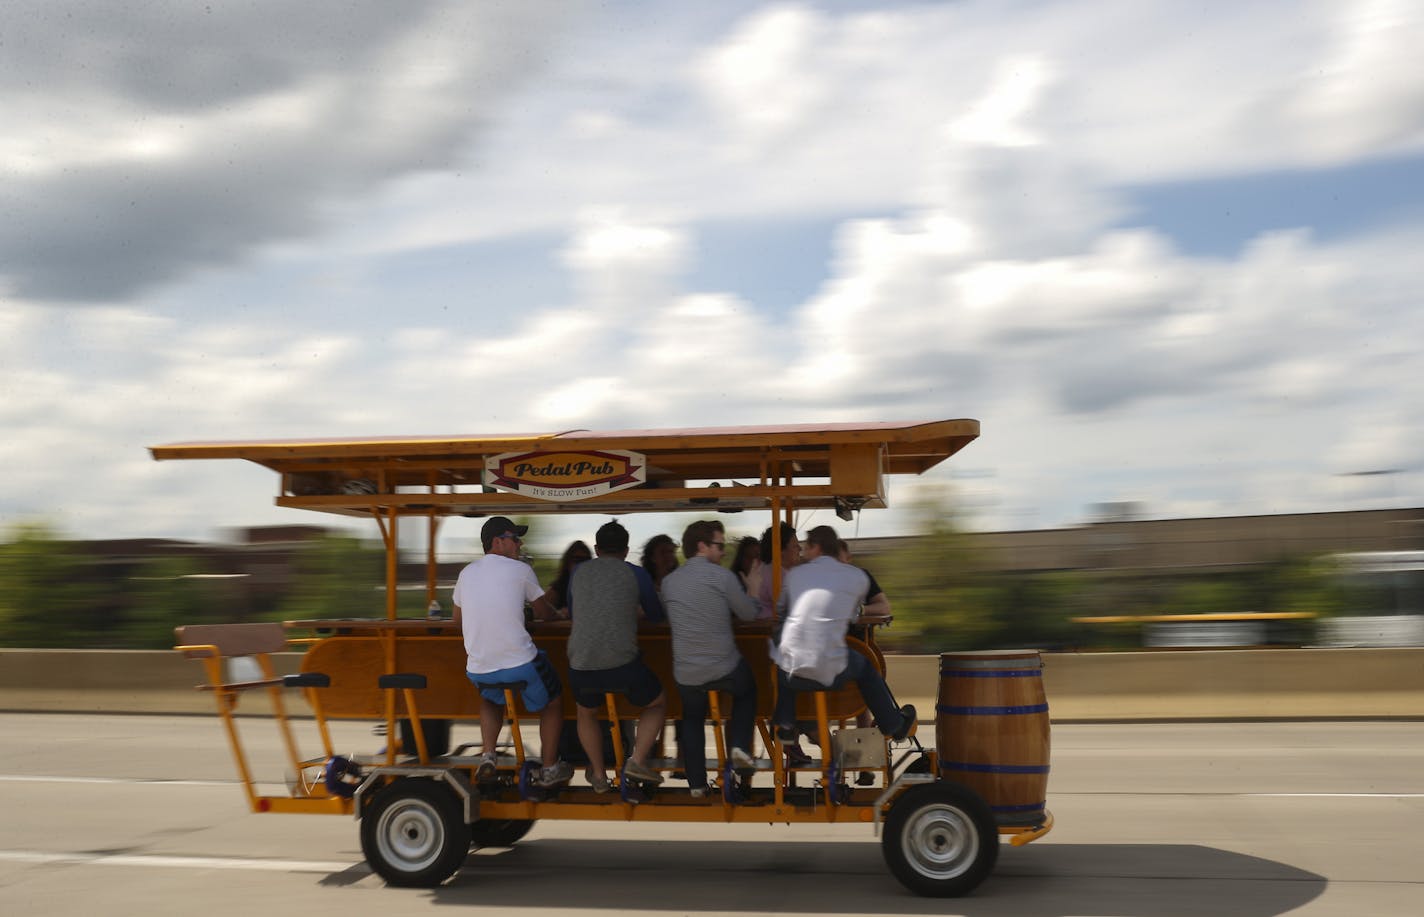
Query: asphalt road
(125, 815)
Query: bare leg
(551, 726)
(491, 722)
(650, 726)
(590, 734)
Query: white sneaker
(742, 763)
(559, 772)
(487, 767)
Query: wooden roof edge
(635, 440)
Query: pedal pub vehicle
(940, 811)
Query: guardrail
(1158, 685)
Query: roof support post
(431, 569)
(391, 532)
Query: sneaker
(560, 772)
(786, 735)
(632, 770)
(700, 792)
(796, 756)
(599, 782)
(485, 770)
(909, 722)
(743, 763)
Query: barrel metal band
(993, 768)
(1030, 807)
(991, 711)
(1013, 673)
(1025, 662)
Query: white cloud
(142, 144)
(797, 111)
(997, 119)
(1369, 93)
(625, 266)
(984, 147)
(760, 79)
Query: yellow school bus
(940, 809)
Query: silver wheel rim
(410, 835)
(940, 841)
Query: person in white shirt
(820, 599)
(489, 601)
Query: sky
(1167, 253)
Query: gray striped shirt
(701, 598)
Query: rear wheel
(414, 833)
(499, 832)
(940, 840)
(920, 765)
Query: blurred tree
(1303, 584)
(1208, 595)
(46, 600)
(337, 576)
(167, 592)
(1035, 611)
(939, 602)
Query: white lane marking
(175, 862)
(153, 781)
(1250, 795)
(1337, 795)
(265, 789)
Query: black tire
(920, 765)
(499, 832)
(414, 833)
(940, 840)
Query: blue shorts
(541, 683)
(633, 679)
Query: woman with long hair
(659, 558)
(558, 592)
(747, 565)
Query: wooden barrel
(991, 724)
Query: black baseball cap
(496, 526)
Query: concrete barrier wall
(116, 681)
(1202, 684)
(1213, 684)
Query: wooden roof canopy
(840, 466)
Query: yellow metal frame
(227, 696)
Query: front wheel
(414, 833)
(940, 840)
(499, 832)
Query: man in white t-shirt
(489, 601)
(821, 598)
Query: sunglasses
(718, 544)
(517, 539)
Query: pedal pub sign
(566, 475)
